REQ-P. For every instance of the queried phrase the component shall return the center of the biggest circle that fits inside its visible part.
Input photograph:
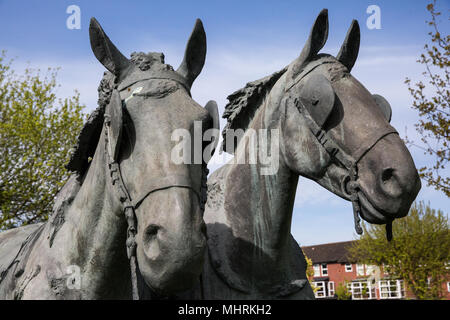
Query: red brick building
(332, 267)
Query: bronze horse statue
(331, 130)
(128, 223)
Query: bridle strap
(129, 206)
(306, 70)
(157, 76)
(350, 162)
(175, 180)
(371, 141)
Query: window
(316, 270)
(391, 289)
(448, 286)
(348, 267)
(360, 270)
(362, 290)
(323, 289)
(320, 270)
(324, 269)
(320, 289)
(331, 289)
(370, 270)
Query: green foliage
(36, 132)
(432, 101)
(309, 271)
(420, 250)
(309, 267)
(342, 292)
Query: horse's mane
(244, 102)
(90, 133)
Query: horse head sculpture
(324, 125)
(359, 155)
(126, 198)
(148, 101)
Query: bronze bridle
(130, 204)
(346, 160)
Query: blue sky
(246, 41)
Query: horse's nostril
(387, 174)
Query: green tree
(419, 252)
(310, 272)
(36, 132)
(342, 291)
(432, 101)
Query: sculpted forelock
(90, 133)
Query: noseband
(348, 161)
(130, 205)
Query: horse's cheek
(302, 152)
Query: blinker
(384, 106)
(317, 95)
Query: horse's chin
(372, 214)
(172, 272)
(164, 288)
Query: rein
(130, 205)
(349, 162)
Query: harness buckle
(107, 118)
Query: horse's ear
(194, 55)
(105, 51)
(114, 119)
(350, 48)
(384, 106)
(213, 111)
(317, 39)
(317, 95)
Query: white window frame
(356, 288)
(321, 291)
(360, 270)
(331, 289)
(316, 268)
(323, 269)
(324, 289)
(348, 267)
(448, 286)
(370, 269)
(320, 269)
(386, 291)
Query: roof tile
(329, 252)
